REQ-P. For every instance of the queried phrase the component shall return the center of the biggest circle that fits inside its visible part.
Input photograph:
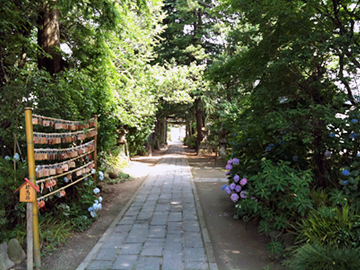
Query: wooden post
(32, 177)
(95, 152)
(29, 236)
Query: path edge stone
(89, 258)
(204, 232)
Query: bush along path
(162, 226)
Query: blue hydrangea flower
(96, 190)
(95, 206)
(358, 154)
(100, 199)
(345, 172)
(295, 158)
(93, 213)
(268, 148)
(284, 132)
(7, 158)
(249, 139)
(223, 187)
(17, 157)
(332, 135)
(354, 121)
(90, 209)
(345, 182)
(281, 142)
(236, 161)
(271, 144)
(353, 135)
(96, 201)
(101, 175)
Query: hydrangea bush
(289, 154)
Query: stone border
(205, 234)
(211, 179)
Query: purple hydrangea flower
(234, 197)
(227, 172)
(223, 187)
(230, 161)
(236, 178)
(243, 194)
(345, 172)
(228, 190)
(232, 186)
(327, 153)
(236, 161)
(238, 188)
(228, 167)
(243, 182)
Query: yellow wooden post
(95, 152)
(32, 177)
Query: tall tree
(189, 37)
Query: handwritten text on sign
(27, 193)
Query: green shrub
(334, 226)
(191, 141)
(12, 212)
(279, 195)
(316, 257)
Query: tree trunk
(199, 120)
(49, 40)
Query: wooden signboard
(27, 193)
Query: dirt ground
(236, 245)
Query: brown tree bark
(199, 120)
(49, 39)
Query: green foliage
(191, 141)
(53, 232)
(12, 211)
(331, 226)
(278, 194)
(276, 249)
(80, 223)
(316, 257)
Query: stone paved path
(162, 227)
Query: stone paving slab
(162, 226)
